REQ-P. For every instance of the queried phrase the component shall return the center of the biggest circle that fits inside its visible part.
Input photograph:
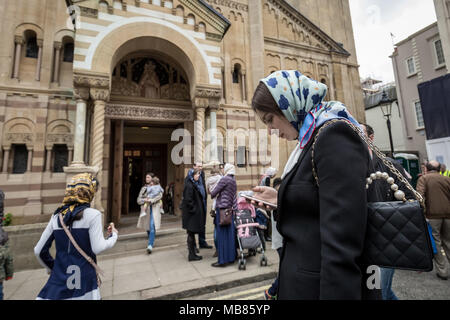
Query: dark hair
(263, 101)
(151, 174)
(430, 167)
(276, 182)
(369, 129)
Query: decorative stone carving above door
(150, 78)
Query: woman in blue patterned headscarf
(323, 224)
(298, 100)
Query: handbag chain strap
(98, 271)
(375, 149)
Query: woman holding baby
(150, 201)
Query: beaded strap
(399, 195)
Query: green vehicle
(411, 164)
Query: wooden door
(140, 159)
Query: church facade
(113, 87)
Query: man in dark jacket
(194, 211)
(201, 236)
(435, 188)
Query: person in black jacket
(202, 244)
(323, 226)
(194, 210)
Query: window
(68, 52)
(440, 59)
(61, 158)
(419, 115)
(103, 6)
(20, 160)
(236, 72)
(220, 154)
(241, 153)
(32, 48)
(410, 66)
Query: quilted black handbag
(397, 232)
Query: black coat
(193, 208)
(324, 227)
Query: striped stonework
(95, 30)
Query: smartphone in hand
(272, 205)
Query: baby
(211, 183)
(152, 192)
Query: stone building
(93, 85)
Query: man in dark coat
(194, 211)
(201, 236)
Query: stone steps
(131, 244)
(131, 241)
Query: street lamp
(386, 108)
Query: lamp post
(386, 108)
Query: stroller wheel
(242, 264)
(263, 262)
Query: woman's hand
(111, 229)
(268, 195)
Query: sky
(374, 21)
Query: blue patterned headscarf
(300, 100)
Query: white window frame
(410, 74)
(418, 127)
(436, 60)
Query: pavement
(164, 274)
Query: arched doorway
(147, 89)
(160, 42)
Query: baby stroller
(247, 232)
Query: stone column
(39, 62)
(6, 151)
(70, 156)
(57, 61)
(255, 17)
(49, 159)
(19, 42)
(30, 158)
(199, 132)
(213, 114)
(81, 95)
(244, 91)
(100, 96)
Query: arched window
(103, 7)
(20, 158)
(191, 19)
(201, 27)
(236, 73)
(61, 157)
(32, 48)
(68, 52)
